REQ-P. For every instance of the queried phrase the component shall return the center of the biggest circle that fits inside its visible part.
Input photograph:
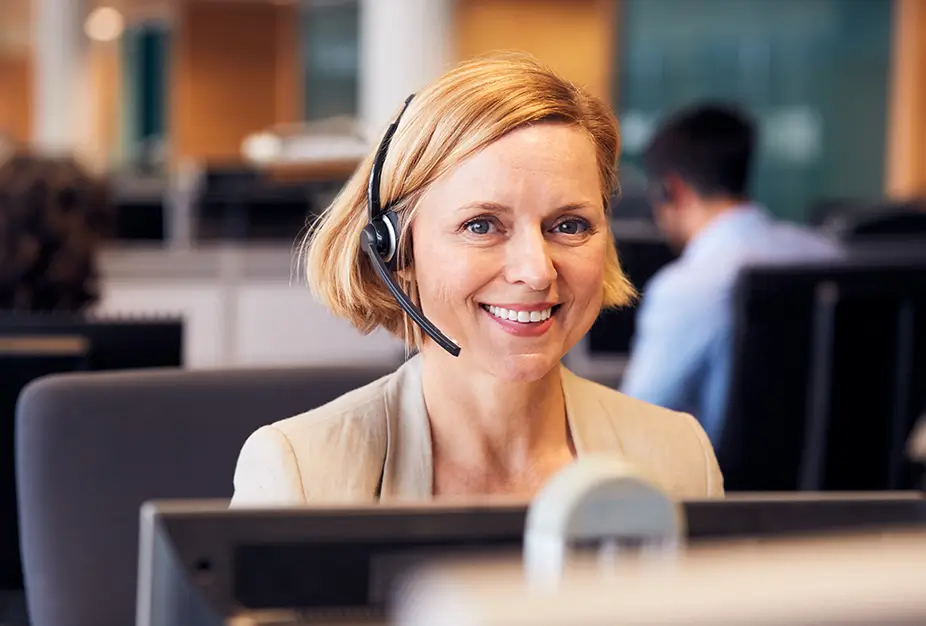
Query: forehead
(541, 164)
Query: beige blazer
(375, 442)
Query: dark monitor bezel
(178, 539)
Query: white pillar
(59, 78)
(404, 45)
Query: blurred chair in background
(828, 377)
(905, 222)
(854, 219)
(91, 448)
(33, 345)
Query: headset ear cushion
(388, 225)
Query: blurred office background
(222, 125)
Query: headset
(380, 240)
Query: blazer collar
(408, 470)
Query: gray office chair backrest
(91, 448)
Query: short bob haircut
(456, 116)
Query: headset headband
(376, 173)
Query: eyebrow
(495, 207)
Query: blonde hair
(459, 114)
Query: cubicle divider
(92, 447)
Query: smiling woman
(493, 193)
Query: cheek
(444, 275)
(583, 273)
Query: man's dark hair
(53, 216)
(709, 146)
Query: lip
(541, 306)
(520, 329)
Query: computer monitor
(114, 343)
(22, 360)
(202, 563)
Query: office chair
(39, 344)
(828, 376)
(865, 222)
(91, 448)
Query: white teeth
(524, 317)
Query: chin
(521, 368)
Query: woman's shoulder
(359, 413)
(332, 452)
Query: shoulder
(682, 296)
(670, 446)
(346, 420)
(687, 283)
(332, 452)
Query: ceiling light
(104, 24)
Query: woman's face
(510, 248)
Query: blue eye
(571, 227)
(479, 226)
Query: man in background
(698, 166)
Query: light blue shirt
(681, 353)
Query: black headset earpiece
(380, 240)
(385, 232)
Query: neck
(708, 210)
(485, 425)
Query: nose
(528, 261)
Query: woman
(53, 216)
(497, 178)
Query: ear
(677, 190)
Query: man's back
(681, 353)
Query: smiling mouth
(522, 317)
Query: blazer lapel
(590, 424)
(408, 469)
